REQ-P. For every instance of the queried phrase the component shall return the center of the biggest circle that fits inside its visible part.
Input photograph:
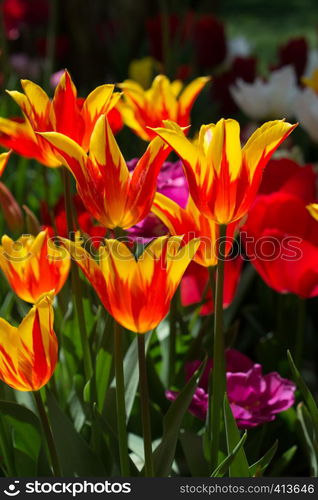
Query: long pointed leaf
(261, 465)
(309, 437)
(239, 466)
(308, 397)
(225, 464)
(164, 454)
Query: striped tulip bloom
(65, 113)
(34, 265)
(192, 223)
(109, 192)
(164, 100)
(28, 353)
(4, 157)
(224, 178)
(136, 291)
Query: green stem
(218, 372)
(48, 434)
(172, 339)
(145, 415)
(211, 282)
(76, 282)
(120, 403)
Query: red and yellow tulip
(224, 178)
(113, 196)
(33, 265)
(65, 113)
(192, 223)
(28, 353)
(164, 100)
(136, 292)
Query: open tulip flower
(65, 113)
(136, 292)
(34, 265)
(164, 100)
(28, 353)
(110, 193)
(192, 223)
(4, 157)
(224, 178)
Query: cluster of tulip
(136, 283)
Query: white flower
(312, 63)
(273, 99)
(306, 111)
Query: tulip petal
(66, 115)
(4, 158)
(224, 151)
(69, 153)
(110, 167)
(264, 142)
(98, 102)
(21, 138)
(39, 103)
(177, 220)
(173, 135)
(188, 96)
(143, 181)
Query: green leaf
(309, 437)
(223, 467)
(192, 446)
(261, 465)
(164, 454)
(103, 370)
(131, 372)
(110, 435)
(76, 457)
(26, 427)
(308, 397)
(239, 466)
(280, 465)
(131, 376)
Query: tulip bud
(10, 209)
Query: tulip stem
(145, 415)
(120, 403)
(218, 372)
(48, 434)
(76, 282)
(172, 339)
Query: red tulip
(281, 237)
